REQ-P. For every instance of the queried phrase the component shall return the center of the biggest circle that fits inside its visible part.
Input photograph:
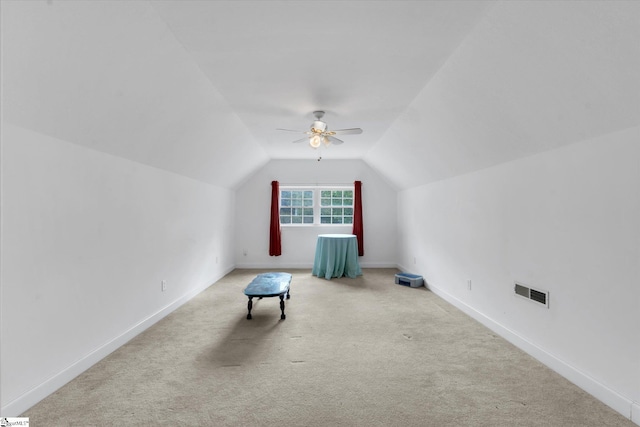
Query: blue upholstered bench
(269, 285)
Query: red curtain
(357, 216)
(275, 247)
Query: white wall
(87, 239)
(566, 221)
(253, 201)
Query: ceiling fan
(319, 133)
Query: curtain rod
(315, 184)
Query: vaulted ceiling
(441, 88)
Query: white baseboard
(635, 412)
(274, 266)
(621, 404)
(307, 265)
(39, 392)
(378, 265)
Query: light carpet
(351, 352)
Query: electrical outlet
(244, 252)
(469, 284)
(163, 285)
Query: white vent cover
(536, 295)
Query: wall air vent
(536, 295)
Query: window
(296, 206)
(315, 205)
(336, 206)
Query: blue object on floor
(411, 280)
(269, 285)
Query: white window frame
(317, 189)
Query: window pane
(348, 220)
(348, 202)
(285, 211)
(308, 212)
(336, 220)
(325, 220)
(337, 212)
(336, 193)
(308, 202)
(348, 211)
(308, 220)
(336, 202)
(325, 211)
(296, 194)
(325, 202)
(286, 194)
(285, 202)
(296, 220)
(285, 220)
(325, 193)
(348, 193)
(296, 202)
(308, 194)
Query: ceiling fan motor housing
(318, 126)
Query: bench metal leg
(249, 305)
(282, 316)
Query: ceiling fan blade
(352, 131)
(334, 140)
(296, 131)
(301, 140)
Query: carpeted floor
(351, 352)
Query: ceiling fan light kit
(315, 141)
(319, 133)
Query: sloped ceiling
(110, 75)
(440, 88)
(530, 77)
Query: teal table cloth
(336, 256)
